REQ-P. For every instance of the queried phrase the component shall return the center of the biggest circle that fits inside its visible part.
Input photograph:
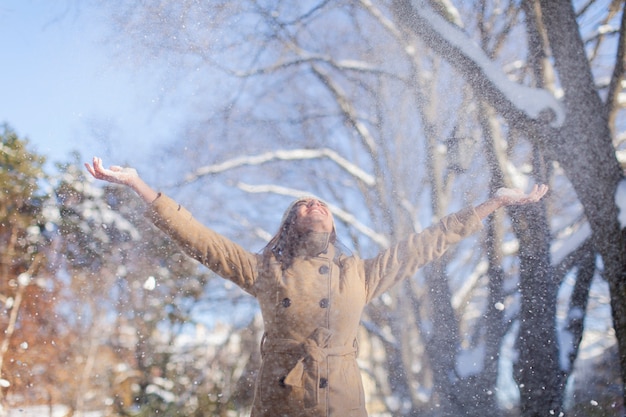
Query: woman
(311, 295)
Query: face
(313, 215)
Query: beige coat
(311, 310)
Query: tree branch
(282, 155)
(347, 109)
(517, 102)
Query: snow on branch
(308, 58)
(284, 155)
(339, 213)
(483, 74)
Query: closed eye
(310, 202)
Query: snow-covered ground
(45, 411)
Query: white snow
(532, 101)
(150, 283)
(42, 410)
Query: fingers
(536, 194)
(90, 169)
(539, 191)
(96, 169)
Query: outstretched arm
(510, 197)
(403, 259)
(218, 253)
(124, 176)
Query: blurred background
(394, 112)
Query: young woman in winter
(311, 295)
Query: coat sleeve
(213, 250)
(405, 258)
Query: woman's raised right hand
(124, 176)
(115, 174)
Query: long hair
(284, 243)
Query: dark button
(281, 382)
(323, 269)
(323, 382)
(286, 302)
(324, 303)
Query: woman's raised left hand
(516, 197)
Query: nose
(314, 203)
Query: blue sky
(64, 88)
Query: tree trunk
(494, 316)
(537, 370)
(582, 145)
(443, 342)
(584, 149)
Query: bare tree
(582, 141)
(389, 109)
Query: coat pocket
(272, 390)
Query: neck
(311, 243)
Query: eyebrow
(307, 200)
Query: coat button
(323, 269)
(323, 382)
(286, 302)
(324, 303)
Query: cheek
(298, 217)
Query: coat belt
(313, 352)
